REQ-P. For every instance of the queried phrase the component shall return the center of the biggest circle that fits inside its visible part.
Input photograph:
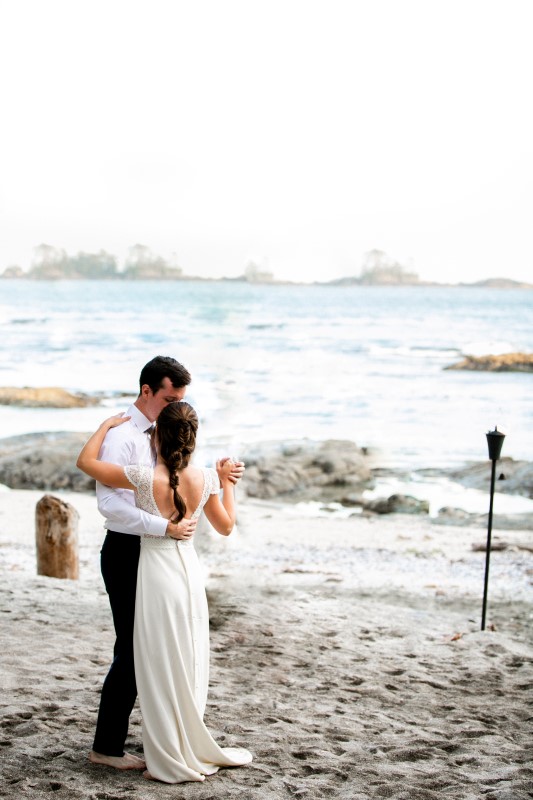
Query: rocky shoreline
(332, 473)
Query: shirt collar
(142, 422)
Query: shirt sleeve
(118, 505)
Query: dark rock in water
(397, 504)
(353, 499)
(306, 470)
(43, 461)
(507, 362)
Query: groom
(162, 381)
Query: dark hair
(176, 430)
(162, 367)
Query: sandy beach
(346, 655)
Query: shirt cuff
(158, 526)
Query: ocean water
(282, 362)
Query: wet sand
(346, 655)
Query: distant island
(142, 264)
(380, 270)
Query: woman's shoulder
(202, 476)
(191, 472)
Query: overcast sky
(296, 133)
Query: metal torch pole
(489, 535)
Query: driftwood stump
(56, 537)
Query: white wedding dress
(171, 648)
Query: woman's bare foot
(127, 761)
(147, 775)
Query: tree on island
(48, 262)
(256, 274)
(379, 268)
(94, 265)
(142, 264)
(53, 263)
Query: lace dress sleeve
(140, 475)
(212, 482)
(211, 486)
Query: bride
(171, 633)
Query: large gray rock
(43, 461)
(512, 477)
(305, 470)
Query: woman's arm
(103, 471)
(221, 513)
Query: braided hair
(176, 429)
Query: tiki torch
(495, 442)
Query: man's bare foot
(127, 761)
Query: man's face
(155, 402)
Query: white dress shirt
(126, 444)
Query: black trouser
(119, 562)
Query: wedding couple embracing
(151, 498)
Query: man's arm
(115, 508)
